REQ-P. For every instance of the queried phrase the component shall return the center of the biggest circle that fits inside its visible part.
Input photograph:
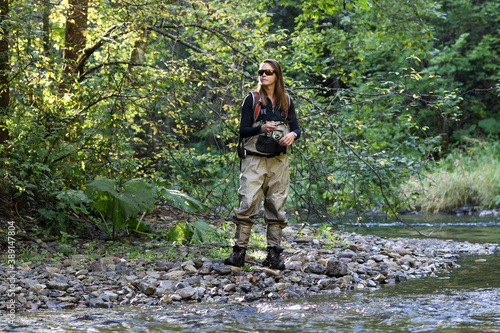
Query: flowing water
(466, 299)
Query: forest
(110, 108)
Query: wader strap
(262, 155)
(256, 104)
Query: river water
(465, 299)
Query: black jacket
(246, 121)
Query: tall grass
(468, 176)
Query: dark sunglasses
(268, 72)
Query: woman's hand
(268, 128)
(287, 140)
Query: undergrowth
(468, 176)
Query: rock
(303, 239)
(250, 297)
(30, 306)
(349, 255)
(323, 261)
(28, 284)
(67, 299)
(400, 250)
(166, 299)
(174, 275)
(57, 285)
(288, 232)
(99, 303)
(315, 268)
(198, 264)
(66, 263)
(50, 305)
(246, 287)
(153, 274)
(189, 266)
(221, 269)
(111, 295)
(51, 269)
(186, 292)
(488, 213)
(166, 285)
(181, 285)
(356, 247)
(146, 288)
(82, 272)
(336, 268)
(37, 287)
(394, 255)
(369, 262)
(230, 288)
(379, 257)
(281, 286)
(271, 272)
(97, 265)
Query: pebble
(366, 262)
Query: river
(465, 299)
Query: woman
(265, 173)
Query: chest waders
(264, 144)
(263, 173)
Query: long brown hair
(279, 88)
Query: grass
(148, 250)
(468, 176)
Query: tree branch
(199, 50)
(96, 67)
(88, 52)
(346, 144)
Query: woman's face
(267, 80)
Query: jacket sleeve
(292, 120)
(246, 120)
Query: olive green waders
(268, 177)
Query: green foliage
(468, 176)
(379, 87)
(197, 232)
(465, 60)
(182, 200)
(120, 207)
(180, 232)
(331, 238)
(177, 198)
(69, 204)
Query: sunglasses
(268, 72)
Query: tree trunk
(137, 54)
(4, 70)
(76, 26)
(46, 26)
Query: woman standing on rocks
(268, 127)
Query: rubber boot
(237, 258)
(241, 237)
(273, 259)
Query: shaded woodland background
(151, 90)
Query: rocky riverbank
(312, 268)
